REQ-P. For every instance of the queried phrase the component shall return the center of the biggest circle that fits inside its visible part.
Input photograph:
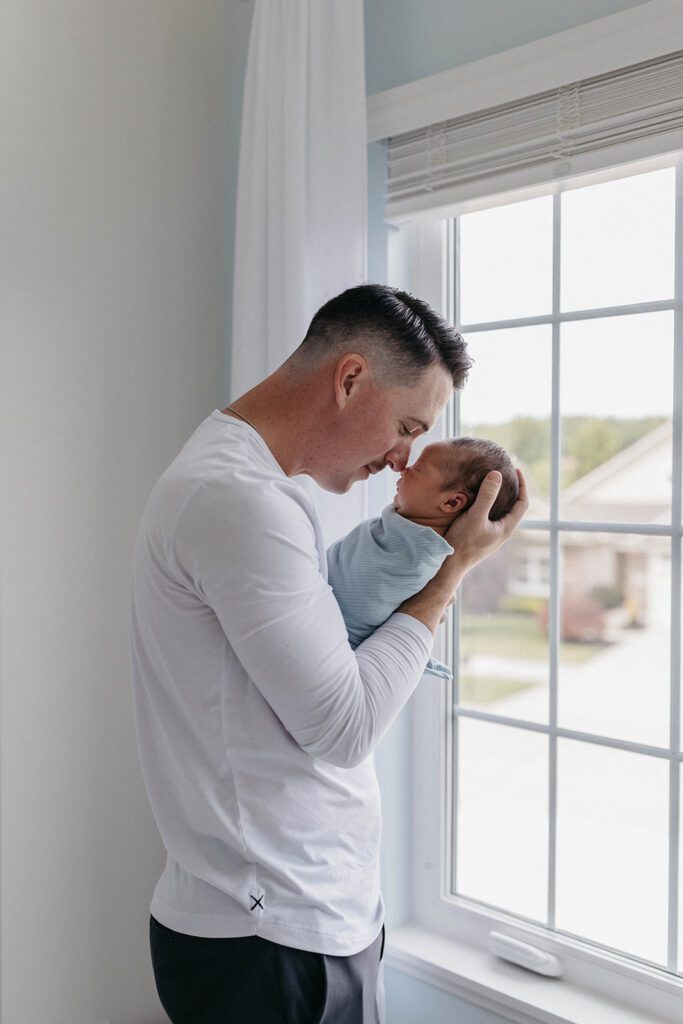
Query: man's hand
(473, 535)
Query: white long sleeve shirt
(255, 720)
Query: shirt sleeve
(253, 560)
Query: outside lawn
(515, 635)
(511, 636)
(487, 689)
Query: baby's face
(421, 490)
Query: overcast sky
(617, 247)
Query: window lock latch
(521, 953)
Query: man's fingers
(522, 503)
(510, 521)
(488, 492)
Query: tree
(587, 441)
(590, 442)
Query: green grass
(487, 689)
(511, 635)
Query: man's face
(380, 428)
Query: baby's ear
(453, 502)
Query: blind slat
(640, 104)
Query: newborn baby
(384, 561)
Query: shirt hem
(285, 934)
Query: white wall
(112, 299)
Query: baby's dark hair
(472, 459)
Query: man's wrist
(452, 572)
(430, 603)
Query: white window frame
(443, 939)
(447, 931)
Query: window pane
(615, 611)
(506, 262)
(618, 242)
(503, 637)
(616, 397)
(502, 823)
(612, 848)
(507, 399)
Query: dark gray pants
(251, 980)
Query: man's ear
(453, 502)
(348, 372)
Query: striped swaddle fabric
(377, 566)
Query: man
(255, 719)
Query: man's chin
(336, 486)
(343, 487)
(361, 474)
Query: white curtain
(301, 226)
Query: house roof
(633, 486)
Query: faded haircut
(399, 334)
(467, 463)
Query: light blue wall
(405, 40)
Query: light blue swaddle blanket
(377, 566)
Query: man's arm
(473, 537)
(251, 560)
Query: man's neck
(286, 413)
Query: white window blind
(626, 115)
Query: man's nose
(398, 460)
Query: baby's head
(445, 479)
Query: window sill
(512, 992)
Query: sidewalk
(612, 805)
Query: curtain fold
(301, 222)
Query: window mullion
(676, 482)
(553, 610)
(457, 610)
(589, 526)
(603, 312)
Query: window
(560, 769)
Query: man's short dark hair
(471, 459)
(400, 334)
